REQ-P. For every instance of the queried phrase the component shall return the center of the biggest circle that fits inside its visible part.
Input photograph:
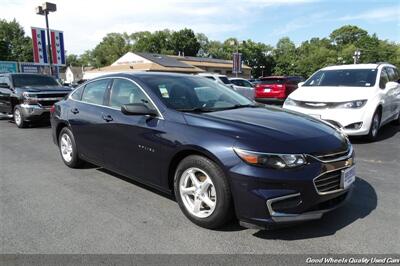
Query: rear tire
(68, 150)
(202, 192)
(19, 119)
(374, 128)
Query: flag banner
(57, 47)
(39, 45)
(237, 63)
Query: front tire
(68, 150)
(19, 119)
(374, 128)
(203, 193)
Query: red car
(275, 89)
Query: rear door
(86, 117)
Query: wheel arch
(183, 153)
(59, 127)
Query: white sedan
(359, 99)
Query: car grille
(334, 156)
(328, 182)
(47, 103)
(316, 105)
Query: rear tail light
(52, 109)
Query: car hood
(272, 130)
(331, 94)
(45, 89)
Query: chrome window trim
(160, 116)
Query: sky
(86, 22)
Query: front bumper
(281, 197)
(32, 112)
(343, 118)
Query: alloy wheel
(375, 125)
(66, 147)
(17, 117)
(197, 192)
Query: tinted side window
(397, 74)
(77, 94)
(390, 73)
(383, 79)
(94, 91)
(125, 92)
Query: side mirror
(137, 109)
(300, 84)
(391, 85)
(4, 85)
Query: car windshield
(194, 94)
(272, 81)
(33, 80)
(343, 77)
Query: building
(131, 62)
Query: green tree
(112, 47)
(14, 45)
(258, 56)
(185, 41)
(285, 57)
(313, 55)
(73, 60)
(347, 34)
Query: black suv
(29, 97)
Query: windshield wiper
(196, 110)
(237, 106)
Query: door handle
(74, 111)
(107, 118)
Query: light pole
(356, 56)
(44, 10)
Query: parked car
(223, 80)
(357, 98)
(28, 97)
(275, 89)
(243, 86)
(254, 81)
(215, 150)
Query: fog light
(354, 126)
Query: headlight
(271, 160)
(289, 101)
(29, 98)
(353, 104)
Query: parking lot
(46, 207)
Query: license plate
(267, 90)
(315, 116)
(348, 177)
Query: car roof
(357, 66)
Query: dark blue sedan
(218, 152)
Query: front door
(133, 143)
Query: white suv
(357, 98)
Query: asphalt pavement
(46, 207)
